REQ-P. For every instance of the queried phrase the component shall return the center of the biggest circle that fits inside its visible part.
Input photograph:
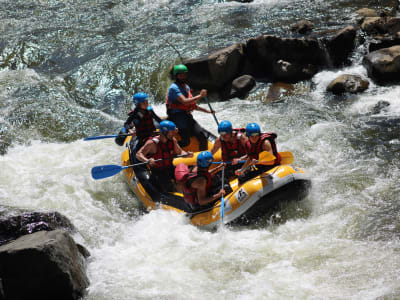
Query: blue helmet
(166, 126)
(204, 159)
(139, 98)
(253, 129)
(224, 127)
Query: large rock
(384, 65)
(380, 42)
(381, 25)
(348, 84)
(341, 45)
(285, 59)
(240, 87)
(18, 223)
(367, 12)
(214, 71)
(43, 265)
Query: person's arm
(148, 148)
(179, 151)
(184, 100)
(129, 124)
(217, 145)
(201, 185)
(154, 115)
(243, 141)
(199, 108)
(267, 146)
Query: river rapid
(68, 70)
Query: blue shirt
(175, 91)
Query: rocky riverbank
(232, 71)
(39, 258)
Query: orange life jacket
(254, 149)
(165, 151)
(175, 104)
(233, 150)
(185, 177)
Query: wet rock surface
(43, 265)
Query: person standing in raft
(180, 104)
(163, 146)
(143, 119)
(258, 142)
(232, 142)
(196, 185)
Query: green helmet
(180, 69)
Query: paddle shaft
(209, 105)
(100, 137)
(105, 171)
(222, 197)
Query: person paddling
(163, 146)
(197, 184)
(143, 119)
(181, 103)
(258, 142)
(232, 142)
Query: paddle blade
(105, 171)
(91, 138)
(286, 157)
(266, 158)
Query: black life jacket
(145, 126)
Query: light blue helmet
(204, 159)
(139, 98)
(224, 127)
(166, 126)
(253, 129)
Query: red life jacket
(164, 151)
(185, 177)
(233, 150)
(145, 127)
(254, 149)
(178, 105)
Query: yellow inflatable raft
(246, 203)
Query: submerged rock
(379, 107)
(302, 27)
(43, 265)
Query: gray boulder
(348, 84)
(217, 69)
(285, 59)
(341, 45)
(302, 27)
(381, 25)
(240, 87)
(14, 224)
(43, 265)
(384, 65)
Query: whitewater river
(68, 70)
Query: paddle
(264, 158)
(222, 197)
(100, 137)
(209, 105)
(105, 171)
